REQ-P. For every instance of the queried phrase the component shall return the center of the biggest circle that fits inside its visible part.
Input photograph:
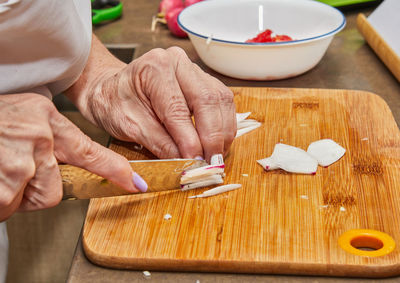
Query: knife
(160, 175)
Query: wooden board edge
(241, 267)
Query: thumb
(73, 147)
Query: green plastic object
(342, 3)
(105, 10)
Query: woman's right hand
(34, 136)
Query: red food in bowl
(266, 36)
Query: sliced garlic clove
(218, 190)
(200, 173)
(268, 164)
(243, 131)
(217, 159)
(325, 151)
(208, 181)
(247, 123)
(242, 116)
(294, 159)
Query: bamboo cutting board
(277, 222)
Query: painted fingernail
(199, 158)
(140, 184)
(217, 159)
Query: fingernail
(217, 159)
(199, 158)
(139, 182)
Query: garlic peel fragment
(325, 151)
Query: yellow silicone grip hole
(364, 242)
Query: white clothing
(44, 46)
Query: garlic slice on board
(246, 123)
(218, 190)
(243, 131)
(294, 159)
(326, 151)
(268, 164)
(242, 116)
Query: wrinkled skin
(151, 100)
(33, 138)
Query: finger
(212, 105)
(73, 147)
(45, 189)
(140, 124)
(228, 111)
(14, 177)
(170, 106)
(9, 204)
(153, 136)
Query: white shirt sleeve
(44, 44)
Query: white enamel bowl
(218, 30)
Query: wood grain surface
(277, 223)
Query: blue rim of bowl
(336, 30)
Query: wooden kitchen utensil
(382, 34)
(277, 222)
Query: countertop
(348, 64)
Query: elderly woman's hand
(151, 101)
(33, 137)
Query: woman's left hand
(151, 101)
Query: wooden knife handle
(79, 183)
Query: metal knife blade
(160, 175)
